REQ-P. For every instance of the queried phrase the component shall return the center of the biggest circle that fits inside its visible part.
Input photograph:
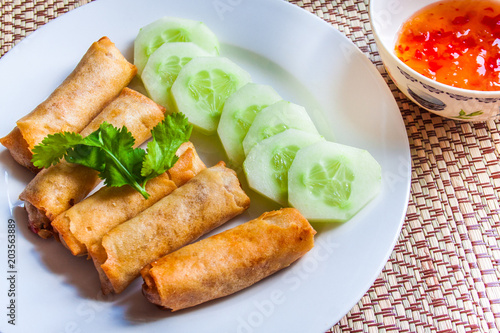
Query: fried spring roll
(205, 202)
(97, 79)
(229, 261)
(57, 188)
(88, 221)
(18, 148)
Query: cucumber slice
(330, 182)
(267, 164)
(275, 119)
(171, 29)
(238, 114)
(202, 87)
(164, 66)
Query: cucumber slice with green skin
(203, 86)
(164, 66)
(275, 119)
(330, 182)
(168, 30)
(266, 166)
(238, 114)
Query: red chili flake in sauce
(455, 42)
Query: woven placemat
(443, 275)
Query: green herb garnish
(111, 151)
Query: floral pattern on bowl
(406, 75)
(464, 116)
(488, 100)
(459, 97)
(426, 100)
(431, 88)
(453, 104)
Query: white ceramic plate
(309, 63)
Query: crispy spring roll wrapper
(205, 202)
(229, 261)
(187, 166)
(89, 220)
(59, 187)
(97, 79)
(18, 148)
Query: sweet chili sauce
(455, 42)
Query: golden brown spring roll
(57, 188)
(187, 166)
(89, 220)
(205, 202)
(229, 261)
(18, 148)
(97, 79)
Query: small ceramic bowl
(387, 17)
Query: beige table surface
(443, 275)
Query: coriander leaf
(123, 169)
(94, 151)
(54, 147)
(168, 136)
(88, 156)
(111, 151)
(122, 161)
